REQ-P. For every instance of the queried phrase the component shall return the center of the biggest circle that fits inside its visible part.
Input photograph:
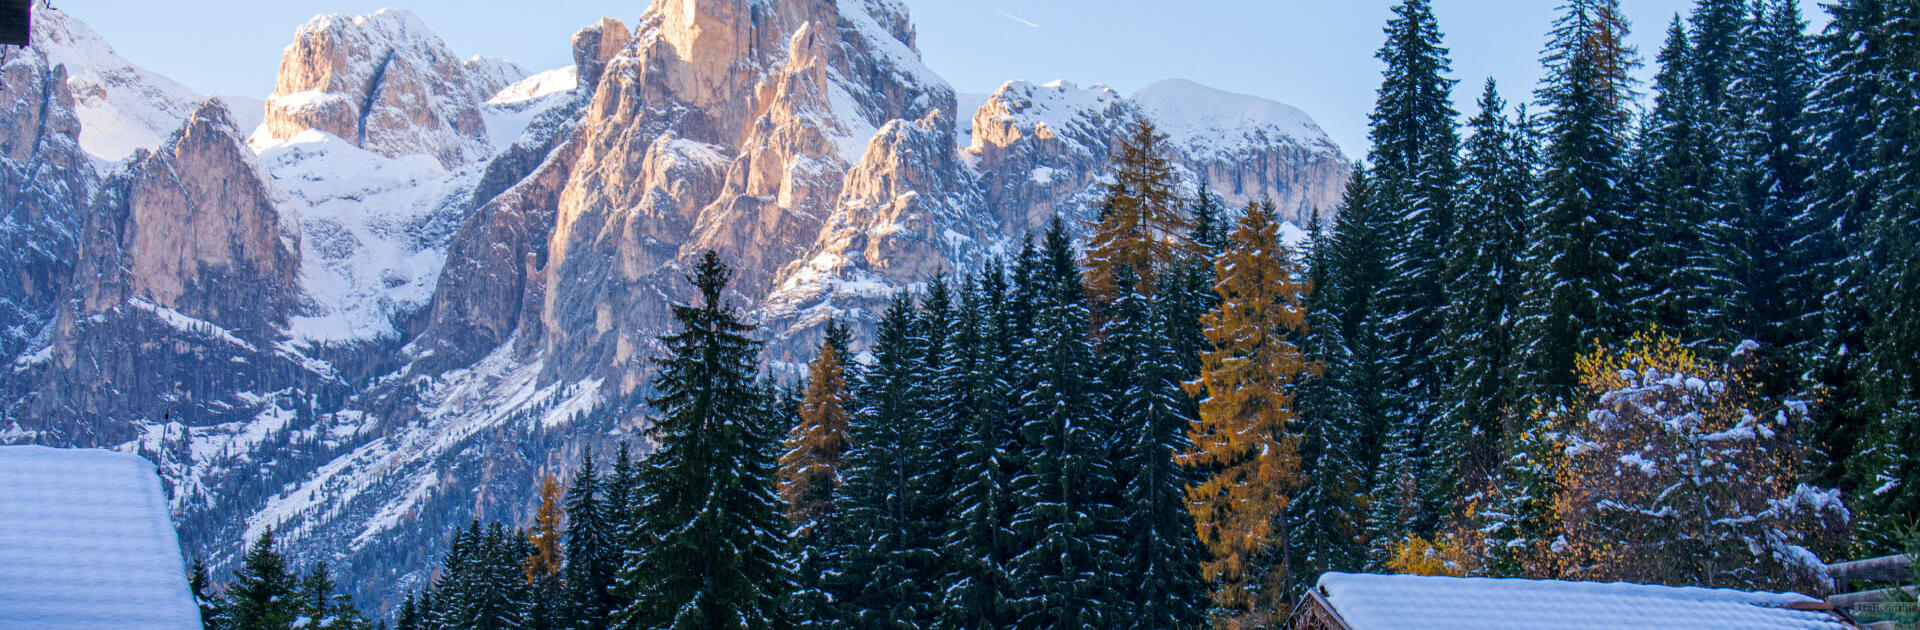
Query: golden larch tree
(543, 566)
(1243, 442)
(810, 469)
(1143, 221)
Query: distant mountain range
(388, 298)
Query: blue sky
(1313, 54)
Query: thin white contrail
(1019, 19)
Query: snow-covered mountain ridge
(419, 282)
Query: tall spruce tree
(408, 617)
(1719, 29)
(1677, 194)
(262, 594)
(1326, 516)
(1160, 570)
(1575, 263)
(1772, 89)
(933, 328)
(322, 608)
(978, 543)
(1885, 261)
(1061, 579)
(1356, 270)
(1841, 124)
(891, 551)
(705, 547)
(1245, 445)
(1736, 238)
(1415, 165)
(618, 490)
(592, 555)
(1483, 287)
(481, 584)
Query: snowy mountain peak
(1021, 108)
(122, 107)
(397, 25)
(492, 74)
(1198, 116)
(385, 83)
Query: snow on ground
(122, 107)
(852, 132)
(210, 450)
(1205, 121)
(508, 114)
(86, 543)
(190, 325)
(1293, 236)
(463, 404)
(1386, 602)
(374, 230)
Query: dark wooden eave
(1874, 570)
(1314, 612)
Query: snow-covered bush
(1680, 472)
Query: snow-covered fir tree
(261, 595)
(977, 547)
(1062, 577)
(704, 549)
(592, 552)
(1888, 257)
(481, 584)
(1414, 168)
(1676, 196)
(1159, 573)
(1575, 263)
(1772, 91)
(1483, 292)
(1354, 276)
(1326, 516)
(889, 562)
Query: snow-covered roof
(1406, 602)
(85, 542)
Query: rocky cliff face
(187, 239)
(1039, 147)
(1248, 149)
(45, 180)
(425, 281)
(187, 226)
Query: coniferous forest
(1665, 333)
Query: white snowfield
(85, 543)
(1404, 602)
